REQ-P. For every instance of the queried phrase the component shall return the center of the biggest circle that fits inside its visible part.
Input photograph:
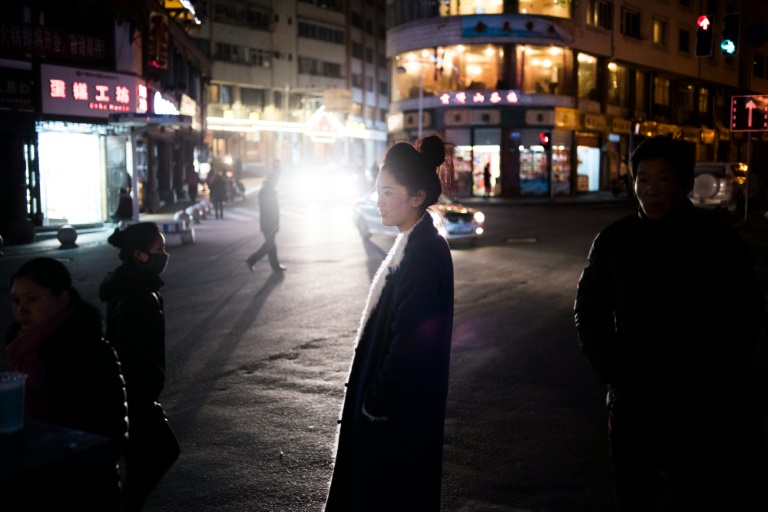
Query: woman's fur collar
(390, 264)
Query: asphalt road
(256, 362)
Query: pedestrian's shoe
(279, 268)
(249, 265)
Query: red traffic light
(704, 22)
(544, 138)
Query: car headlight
(479, 217)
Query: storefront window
(587, 76)
(445, 69)
(556, 8)
(466, 7)
(618, 85)
(540, 69)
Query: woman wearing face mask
(136, 327)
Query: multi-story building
(554, 95)
(95, 97)
(300, 82)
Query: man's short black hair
(681, 153)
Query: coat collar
(390, 264)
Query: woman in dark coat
(389, 446)
(73, 375)
(136, 326)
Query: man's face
(658, 188)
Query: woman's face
(34, 305)
(396, 206)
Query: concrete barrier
(177, 232)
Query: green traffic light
(728, 47)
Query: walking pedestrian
(269, 222)
(73, 377)
(668, 313)
(487, 179)
(193, 182)
(217, 188)
(136, 326)
(390, 440)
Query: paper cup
(11, 401)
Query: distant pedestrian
(390, 441)
(668, 312)
(124, 210)
(487, 179)
(193, 182)
(269, 222)
(217, 188)
(136, 326)
(73, 374)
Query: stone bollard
(67, 235)
(193, 213)
(182, 217)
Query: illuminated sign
(90, 93)
(479, 97)
(163, 106)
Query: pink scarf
(22, 353)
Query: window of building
(630, 22)
(599, 14)
(220, 93)
(703, 100)
(383, 85)
(356, 109)
(587, 77)
(368, 26)
(383, 115)
(357, 20)
(369, 55)
(309, 66)
(544, 8)
(321, 33)
(467, 7)
(617, 92)
(357, 80)
(684, 41)
(357, 50)
(331, 5)
(370, 113)
(540, 68)
(659, 32)
(369, 83)
(661, 92)
(641, 88)
(253, 97)
(445, 69)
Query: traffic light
(704, 36)
(545, 138)
(730, 44)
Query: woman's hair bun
(432, 149)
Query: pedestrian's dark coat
(399, 371)
(136, 327)
(690, 273)
(269, 208)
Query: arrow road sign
(749, 113)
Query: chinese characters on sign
(23, 39)
(478, 98)
(80, 92)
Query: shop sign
(567, 118)
(479, 97)
(619, 125)
(90, 93)
(16, 89)
(518, 26)
(595, 122)
(22, 39)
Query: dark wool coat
(399, 372)
(269, 208)
(82, 385)
(136, 328)
(669, 312)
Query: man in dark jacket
(269, 222)
(668, 312)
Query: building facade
(554, 96)
(95, 97)
(299, 82)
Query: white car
(453, 220)
(719, 185)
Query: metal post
(749, 171)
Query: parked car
(719, 185)
(453, 220)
